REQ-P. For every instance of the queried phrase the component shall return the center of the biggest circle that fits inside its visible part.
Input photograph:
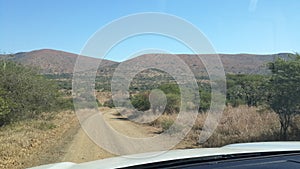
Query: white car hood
(138, 159)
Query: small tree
(246, 89)
(285, 91)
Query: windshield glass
(82, 81)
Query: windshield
(88, 80)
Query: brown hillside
(56, 62)
(232, 63)
(52, 61)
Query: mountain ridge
(50, 61)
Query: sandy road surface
(83, 149)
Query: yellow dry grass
(241, 124)
(35, 142)
(25, 144)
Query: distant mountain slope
(232, 63)
(57, 62)
(52, 61)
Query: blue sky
(232, 26)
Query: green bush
(170, 88)
(24, 93)
(141, 101)
(205, 99)
(65, 104)
(166, 124)
(173, 103)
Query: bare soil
(83, 149)
(54, 138)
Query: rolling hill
(50, 61)
(232, 63)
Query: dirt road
(27, 145)
(83, 149)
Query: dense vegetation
(248, 90)
(284, 91)
(24, 93)
(278, 92)
(172, 92)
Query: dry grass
(35, 142)
(24, 144)
(164, 121)
(103, 96)
(242, 124)
(295, 128)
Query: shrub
(141, 101)
(24, 93)
(109, 103)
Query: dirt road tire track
(83, 149)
